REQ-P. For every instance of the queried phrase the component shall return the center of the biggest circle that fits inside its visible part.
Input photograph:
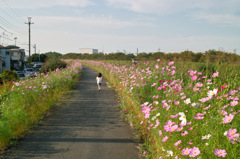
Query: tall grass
(24, 102)
(181, 110)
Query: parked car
(37, 68)
(29, 72)
(21, 75)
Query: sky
(65, 26)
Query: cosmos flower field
(177, 110)
(24, 102)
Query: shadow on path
(87, 127)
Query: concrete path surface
(87, 127)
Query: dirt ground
(86, 126)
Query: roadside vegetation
(212, 56)
(24, 102)
(179, 109)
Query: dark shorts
(99, 84)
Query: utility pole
(39, 55)
(15, 41)
(29, 28)
(35, 47)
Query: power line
(9, 24)
(7, 2)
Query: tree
(39, 58)
(53, 55)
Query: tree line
(213, 56)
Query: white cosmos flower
(169, 153)
(44, 86)
(225, 133)
(16, 84)
(193, 104)
(153, 118)
(183, 118)
(212, 92)
(181, 114)
(146, 103)
(187, 101)
(184, 122)
(158, 114)
(163, 149)
(206, 137)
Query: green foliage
(207, 68)
(8, 75)
(211, 56)
(36, 58)
(53, 64)
(53, 55)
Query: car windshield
(30, 70)
(21, 75)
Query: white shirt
(99, 79)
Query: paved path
(88, 127)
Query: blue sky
(123, 25)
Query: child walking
(99, 81)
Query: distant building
(11, 57)
(88, 51)
(1, 63)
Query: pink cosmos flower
(194, 152)
(155, 102)
(164, 105)
(186, 151)
(231, 134)
(160, 133)
(199, 85)
(165, 139)
(154, 84)
(215, 74)
(158, 60)
(168, 126)
(156, 66)
(157, 122)
(228, 118)
(184, 133)
(223, 112)
(170, 63)
(232, 92)
(189, 123)
(198, 117)
(179, 128)
(193, 78)
(173, 128)
(234, 103)
(176, 102)
(191, 72)
(220, 153)
(174, 116)
(178, 142)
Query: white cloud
(88, 21)
(51, 3)
(173, 6)
(222, 19)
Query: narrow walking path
(88, 127)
